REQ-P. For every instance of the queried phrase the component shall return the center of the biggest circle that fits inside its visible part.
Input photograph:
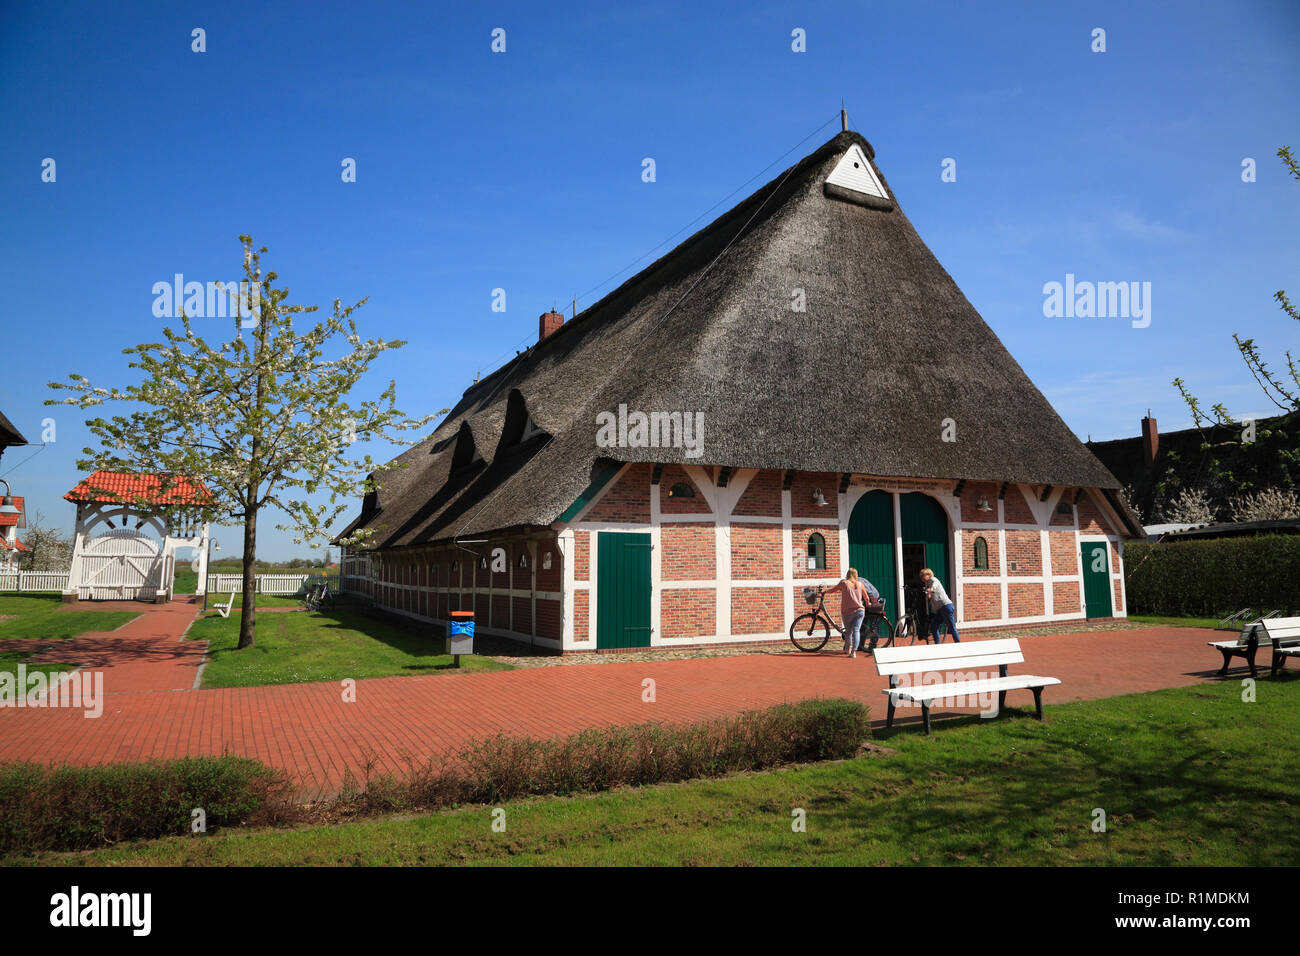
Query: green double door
(925, 541)
(622, 589)
(1095, 562)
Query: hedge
(1213, 578)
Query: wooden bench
(1283, 633)
(224, 609)
(919, 659)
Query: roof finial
(844, 118)
(575, 308)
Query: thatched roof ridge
(861, 381)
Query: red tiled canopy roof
(116, 486)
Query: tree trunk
(248, 613)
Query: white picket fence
(266, 583)
(33, 580)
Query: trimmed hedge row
(72, 808)
(1213, 578)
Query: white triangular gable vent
(855, 174)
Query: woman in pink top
(853, 609)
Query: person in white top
(942, 610)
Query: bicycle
(909, 625)
(804, 631)
(316, 596)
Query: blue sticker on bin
(462, 628)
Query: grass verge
(42, 616)
(293, 648)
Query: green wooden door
(925, 522)
(871, 544)
(1096, 578)
(622, 589)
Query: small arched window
(816, 552)
(981, 554)
(681, 490)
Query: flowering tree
(262, 420)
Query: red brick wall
(801, 495)
(1015, 507)
(627, 500)
(990, 536)
(757, 611)
(800, 533)
(970, 495)
(689, 612)
(523, 622)
(762, 496)
(1065, 556)
(1026, 600)
(1117, 602)
(756, 552)
(581, 623)
(549, 615)
(981, 602)
(688, 551)
(549, 579)
(1067, 519)
(674, 474)
(1065, 597)
(1090, 517)
(1024, 548)
(581, 554)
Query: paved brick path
(310, 731)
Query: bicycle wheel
(884, 631)
(905, 631)
(805, 634)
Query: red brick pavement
(310, 731)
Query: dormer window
(466, 452)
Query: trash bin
(460, 634)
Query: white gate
(123, 564)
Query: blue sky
(522, 171)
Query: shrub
(70, 808)
(1213, 578)
(1270, 504)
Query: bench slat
(966, 688)
(972, 662)
(917, 652)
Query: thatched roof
(861, 381)
(9, 435)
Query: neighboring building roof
(1183, 455)
(860, 381)
(18, 544)
(1155, 530)
(121, 486)
(19, 519)
(1231, 529)
(9, 435)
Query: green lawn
(9, 661)
(43, 616)
(1175, 621)
(296, 646)
(1192, 776)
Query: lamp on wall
(982, 504)
(819, 499)
(7, 506)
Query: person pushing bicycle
(856, 594)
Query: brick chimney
(547, 323)
(1150, 440)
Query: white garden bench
(919, 659)
(1283, 633)
(224, 609)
